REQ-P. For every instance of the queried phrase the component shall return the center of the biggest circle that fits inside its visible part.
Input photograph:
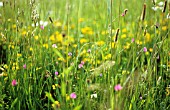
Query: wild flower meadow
(85, 54)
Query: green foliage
(51, 50)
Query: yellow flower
(19, 55)
(61, 59)
(81, 20)
(31, 49)
(127, 46)
(45, 46)
(15, 67)
(14, 26)
(87, 30)
(67, 97)
(83, 52)
(98, 62)
(74, 45)
(52, 38)
(123, 36)
(147, 37)
(57, 85)
(124, 30)
(70, 39)
(24, 33)
(53, 86)
(83, 41)
(36, 37)
(107, 56)
(164, 28)
(57, 24)
(86, 59)
(151, 49)
(100, 43)
(59, 38)
(113, 44)
(104, 32)
(56, 104)
(139, 42)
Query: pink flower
(145, 49)
(14, 82)
(56, 73)
(123, 14)
(82, 62)
(141, 97)
(42, 27)
(80, 66)
(24, 66)
(118, 87)
(132, 40)
(54, 46)
(69, 54)
(89, 50)
(73, 95)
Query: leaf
(58, 53)
(50, 97)
(13, 103)
(67, 71)
(78, 107)
(63, 88)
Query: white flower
(1, 4)
(161, 3)
(44, 23)
(94, 95)
(33, 25)
(155, 8)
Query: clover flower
(24, 66)
(73, 95)
(118, 87)
(14, 82)
(145, 49)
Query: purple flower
(24, 66)
(56, 73)
(14, 82)
(118, 87)
(145, 49)
(69, 54)
(101, 74)
(73, 95)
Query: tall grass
(72, 54)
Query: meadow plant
(84, 55)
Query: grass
(73, 54)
